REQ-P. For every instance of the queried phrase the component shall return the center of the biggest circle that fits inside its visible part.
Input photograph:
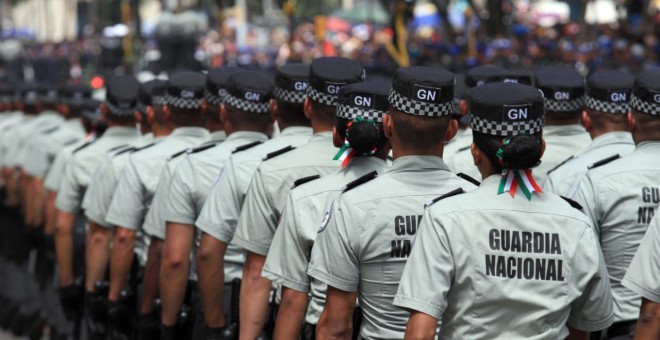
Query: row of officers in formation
(360, 218)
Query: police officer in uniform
(563, 95)
(273, 180)
(642, 278)
(119, 109)
(138, 184)
(607, 125)
(364, 148)
(463, 137)
(621, 196)
(521, 264)
(219, 216)
(364, 240)
(246, 114)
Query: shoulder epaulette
(603, 161)
(143, 147)
(118, 147)
(301, 181)
(364, 179)
(447, 195)
(124, 151)
(202, 148)
(281, 151)
(247, 146)
(560, 164)
(180, 153)
(51, 130)
(573, 204)
(84, 145)
(468, 178)
(463, 148)
(215, 141)
(69, 142)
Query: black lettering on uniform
(494, 239)
(650, 195)
(501, 264)
(506, 240)
(490, 264)
(551, 275)
(515, 241)
(526, 241)
(538, 243)
(401, 248)
(399, 226)
(645, 214)
(528, 269)
(511, 267)
(411, 225)
(560, 269)
(555, 247)
(540, 269)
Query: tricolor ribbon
(514, 178)
(346, 152)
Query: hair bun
(363, 137)
(522, 152)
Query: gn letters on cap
(186, 90)
(249, 91)
(216, 84)
(291, 83)
(367, 100)
(646, 93)
(609, 92)
(562, 87)
(423, 91)
(122, 95)
(328, 75)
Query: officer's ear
(463, 107)
(388, 127)
(204, 107)
(151, 114)
(452, 129)
(336, 139)
(223, 114)
(586, 120)
(632, 123)
(308, 108)
(138, 117)
(543, 144)
(274, 109)
(167, 115)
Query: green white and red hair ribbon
(346, 152)
(514, 178)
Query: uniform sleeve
(336, 252)
(220, 212)
(288, 257)
(39, 161)
(587, 196)
(431, 264)
(594, 309)
(257, 222)
(154, 224)
(643, 275)
(99, 194)
(179, 203)
(70, 193)
(54, 176)
(127, 207)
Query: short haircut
(602, 121)
(419, 132)
(292, 114)
(324, 114)
(240, 118)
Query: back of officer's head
(421, 106)
(509, 117)
(607, 100)
(152, 100)
(326, 76)
(291, 83)
(49, 97)
(216, 90)
(246, 105)
(563, 92)
(73, 97)
(645, 105)
(185, 92)
(121, 99)
(30, 101)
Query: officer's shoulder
(603, 162)
(82, 147)
(202, 148)
(468, 179)
(279, 152)
(452, 193)
(361, 180)
(560, 164)
(51, 130)
(124, 151)
(179, 153)
(143, 147)
(572, 203)
(465, 148)
(246, 146)
(303, 180)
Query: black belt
(621, 328)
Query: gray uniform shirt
(643, 275)
(461, 161)
(8, 133)
(271, 185)
(56, 171)
(43, 149)
(79, 170)
(561, 142)
(43, 122)
(565, 179)
(507, 268)
(219, 215)
(462, 140)
(289, 254)
(364, 243)
(621, 198)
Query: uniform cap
(506, 109)
(291, 83)
(520, 77)
(328, 74)
(6, 91)
(122, 95)
(90, 110)
(250, 91)
(30, 93)
(609, 91)
(460, 89)
(74, 94)
(423, 91)
(185, 90)
(366, 100)
(152, 92)
(216, 84)
(562, 87)
(646, 92)
(480, 75)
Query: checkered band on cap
(183, 103)
(120, 111)
(295, 97)
(504, 129)
(321, 97)
(607, 107)
(350, 112)
(158, 100)
(419, 108)
(644, 106)
(212, 99)
(246, 105)
(552, 105)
